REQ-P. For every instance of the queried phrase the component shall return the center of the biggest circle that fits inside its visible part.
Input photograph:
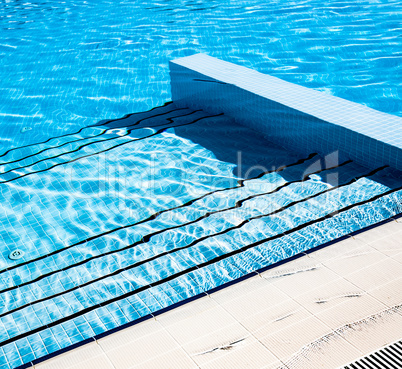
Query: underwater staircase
(82, 277)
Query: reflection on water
(65, 65)
(119, 219)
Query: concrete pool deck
(321, 310)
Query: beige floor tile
(355, 260)
(187, 310)
(390, 293)
(379, 330)
(377, 274)
(70, 359)
(338, 250)
(389, 245)
(379, 232)
(329, 295)
(294, 337)
(275, 318)
(296, 281)
(98, 362)
(239, 289)
(260, 295)
(175, 359)
(255, 283)
(200, 325)
(141, 350)
(276, 365)
(217, 338)
(328, 353)
(296, 266)
(397, 257)
(131, 334)
(247, 354)
(350, 310)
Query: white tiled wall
(295, 116)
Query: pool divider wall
(294, 116)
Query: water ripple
(67, 65)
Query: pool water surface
(116, 205)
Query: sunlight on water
(67, 65)
(113, 220)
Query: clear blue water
(67, 65)
(119, 219)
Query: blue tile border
(294, 116)
(204, 294)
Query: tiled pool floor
(123, 219)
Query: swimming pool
(118, 219)
(126, 218)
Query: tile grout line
(178, 344)
(332, 331)
(251, 333)
(105, 353)
(386, 307)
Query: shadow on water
(248, 151)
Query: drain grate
(389, 357)
(16, 254)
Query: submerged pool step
(241, 184)
(36, 157)
(204, 216)
(146, 239)
(183, 272)
(106, 274)
(127, 266)
(9, 175)
(140, 290)
(16, 153)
